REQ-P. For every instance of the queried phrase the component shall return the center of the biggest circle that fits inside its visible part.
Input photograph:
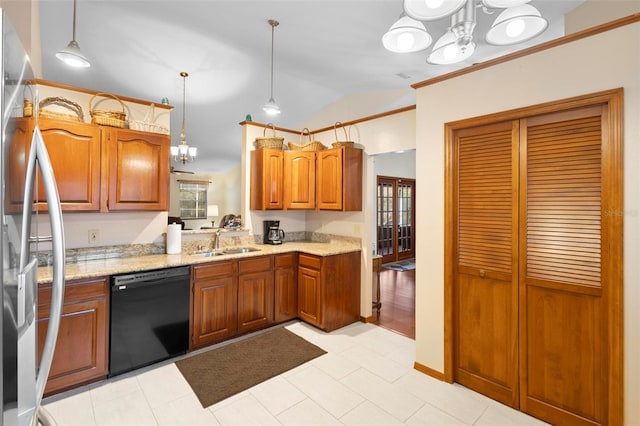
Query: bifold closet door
(563, 315)
(485, 293)
(536, 266)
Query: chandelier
(518, 22)
(184, 153)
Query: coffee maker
(272, 232)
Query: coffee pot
(272, 232)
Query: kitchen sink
(236, 250)
(207, 253)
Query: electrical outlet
(94, 236)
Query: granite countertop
(96, 268)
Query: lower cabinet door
(309, 296)
(255, 300)
(81, 353)
(214, 310)
(286, 297)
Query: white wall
(356, 106)
(396, 164)
(601, 62)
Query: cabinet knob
(482, 273)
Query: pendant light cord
(273, 24)
(184, 76)
(74, 21)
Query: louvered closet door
(562, 315)
(485, 277)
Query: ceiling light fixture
(71, 54)
(519, 22)
(406, 35)
(271, 108)
(184, 153)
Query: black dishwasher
(149, 318)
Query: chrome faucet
(216, 245)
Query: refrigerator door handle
(38, 155)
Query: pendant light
(271, 108)
(71, 54)
(184, 153)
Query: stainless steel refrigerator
(24, 158)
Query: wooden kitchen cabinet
(286, 287)
(138, 169)
(74, 149)
(75, 152)
(97, 168)
(339, 179)
(81, 353)
(267, 179)
(255, 293)
(213, 313)
(18, 137)
(329, 290)
(299, 180)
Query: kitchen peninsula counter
(111, 266)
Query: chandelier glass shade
(183, 153)
(515, 25)
(431, 10)
(71, 55)
(518, 22)
(271, 108)
(406, 35)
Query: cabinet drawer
(309, 261)
(210, 270)
(75, 291)
(256, 264)
(285, 260)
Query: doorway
(395, 218)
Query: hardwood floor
(398, 296)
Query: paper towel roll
(174, 238)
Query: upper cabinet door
(74, 150)
(339, 179)
(18, 137)
(329, 179)
(299, 180)
(266, 180)
(138, 170)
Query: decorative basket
(271, 142)
(338, 143)
(106, 117)
(27, 110)
(147, 124)
(77, 115)
(310, 146)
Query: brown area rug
(223, 372)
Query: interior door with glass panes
(395, 218)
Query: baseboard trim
(368, 319)
(429, 371)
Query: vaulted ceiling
(324, 50)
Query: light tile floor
(366, 378)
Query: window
(193, 199)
